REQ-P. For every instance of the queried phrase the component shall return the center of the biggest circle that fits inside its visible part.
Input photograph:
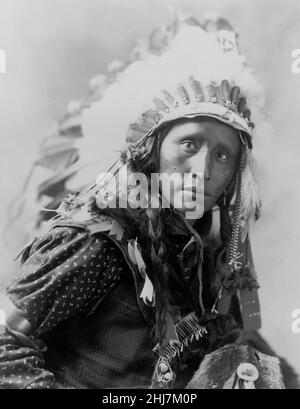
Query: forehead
(205, 129)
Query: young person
(132, 295)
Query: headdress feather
(250, 205)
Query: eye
(223, 156)
(189, 146)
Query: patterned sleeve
(65, 271)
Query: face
(207, 152)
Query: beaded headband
(222, 102)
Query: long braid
(171, 289)
(159, 271)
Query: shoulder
(69, 248)
(64, 270)
(66, 234)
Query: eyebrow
(226, 147)
(197, 135)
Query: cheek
(221, 178)
(166, 165)
(169, 161)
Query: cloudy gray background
(54, 47)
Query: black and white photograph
(149, 223)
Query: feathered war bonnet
(197, 70)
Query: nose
(200, 163)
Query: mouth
(196, 191)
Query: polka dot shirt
(65, 271)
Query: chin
(208, 203)
(192, 213)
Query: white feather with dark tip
(250, 206)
